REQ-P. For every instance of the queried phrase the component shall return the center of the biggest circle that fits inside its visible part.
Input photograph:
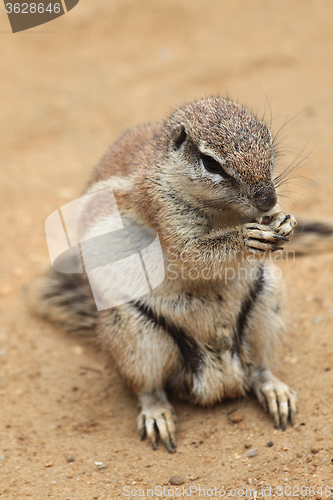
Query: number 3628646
(32, 8)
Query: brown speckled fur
(204, 338)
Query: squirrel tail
(311, 237)
(65, 299)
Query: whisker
(278, 133)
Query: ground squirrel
(203, 179)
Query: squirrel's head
(221, 156)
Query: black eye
(213, 166)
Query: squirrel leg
(147, 357)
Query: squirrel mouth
(266, 219)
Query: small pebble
(176, 480)
(100, 465)
(314, 449)
(252, 453)
(235, 417)
(49, 463)
(250, 480)
(70, 458)
(247, 445)
(270, 444)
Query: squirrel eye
(212, 165)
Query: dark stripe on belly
(187, 346)
(245, 310)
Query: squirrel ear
(179, 136)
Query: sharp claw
(263, 401)
(276, 421)
(292, 417)
(154, 445)
(167, 444)
(280, 237)
(142, 433)
(276, 249)
(173, 444)
(142, 426)
(283, 422)
(257, 249)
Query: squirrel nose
(265, 197)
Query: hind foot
(275, 397)
(157, 417)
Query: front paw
(258, 237)
(261, 238)
(277, 398)
(157, 417)
(283, 224)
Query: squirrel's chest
(213, 364)
(211, 331)
(220, 376)
(214, 375)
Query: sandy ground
(68, 89)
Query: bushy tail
(65, 299)
(311, 237)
